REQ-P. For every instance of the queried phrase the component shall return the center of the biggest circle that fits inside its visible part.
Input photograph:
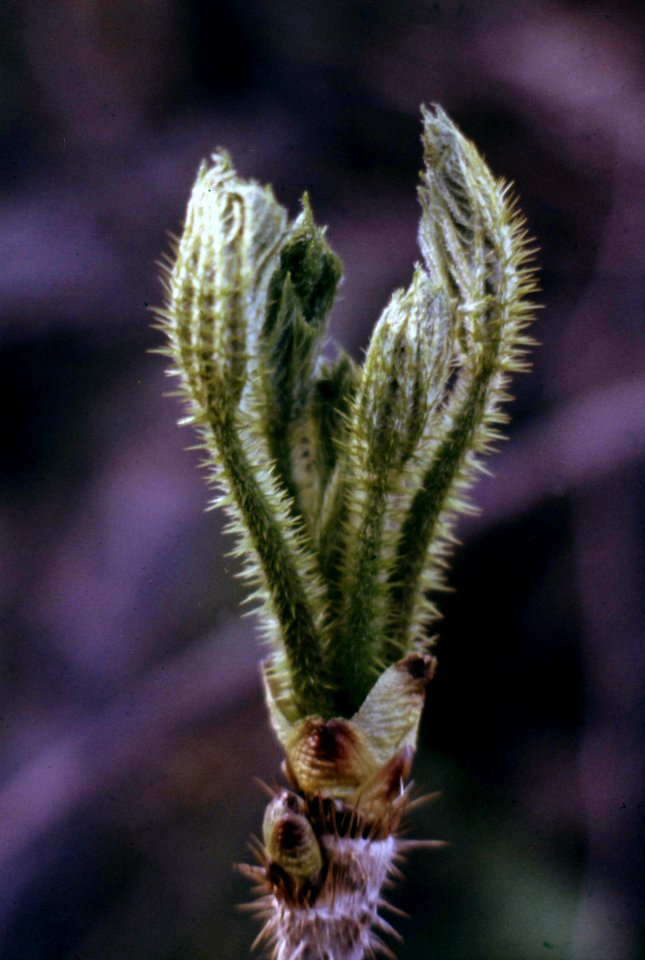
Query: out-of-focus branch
(610, 765)
(592, 437)
(178, 693)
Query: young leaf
(217, 297)
(300, 294)
(403, 376)
(474, 244)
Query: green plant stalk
(342, 484)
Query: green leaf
(300, 295)
(474, 244)
(217, 297)
(342, 482)
(404, 373)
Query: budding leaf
(214, 317)
(333, 393)
(402, 380)
(405, 370)
(474, 244)
(217, 285)
(342, 481)
(300, 295)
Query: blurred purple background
(132, 717)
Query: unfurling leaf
(342, 483)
